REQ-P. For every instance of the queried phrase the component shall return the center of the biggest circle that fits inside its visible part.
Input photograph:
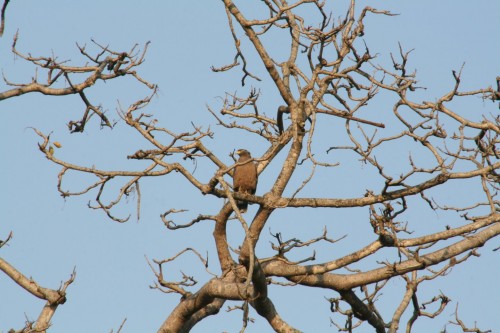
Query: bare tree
(326, 81)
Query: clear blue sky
(53, 235)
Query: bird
(244, 177)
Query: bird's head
(243, 152)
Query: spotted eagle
(244, 177)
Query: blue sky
(52, 235)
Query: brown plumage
(244, 178)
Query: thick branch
(316, 278)
(53, 297)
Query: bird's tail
(242, 206)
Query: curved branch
(343, 282)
